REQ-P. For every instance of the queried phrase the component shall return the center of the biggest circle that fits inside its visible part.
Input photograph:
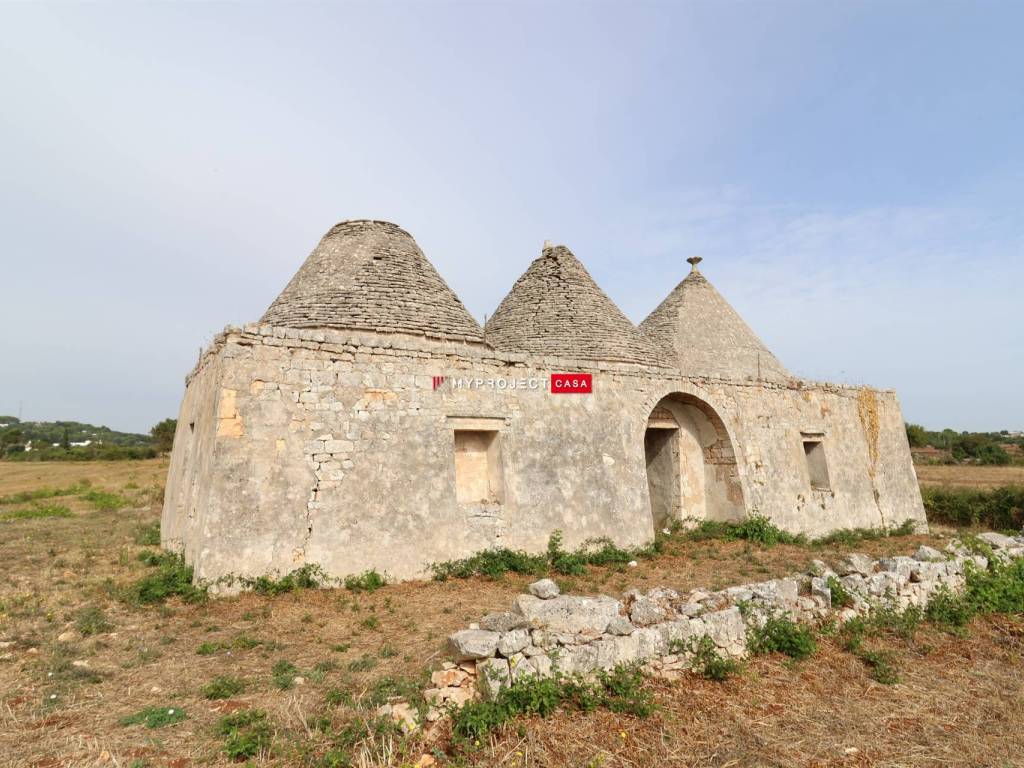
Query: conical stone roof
(371, 276)
(704, 336)
(556, 309)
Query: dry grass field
(966, 476)
(76, 659)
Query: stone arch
(691, 462)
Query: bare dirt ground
(969, 476)
(62, 700)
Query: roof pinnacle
(693, 261)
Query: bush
(619, 691)
(998, 508)
(171, 578)
(783, 635)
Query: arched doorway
(691, 464)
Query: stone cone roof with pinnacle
(371, 276)
(703, 335)
(556, 309)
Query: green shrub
(37, 511)
(709, 663)
(841, 598)
(171, 578)
(948, 611)
(223, 687)
(492, 563)
(619, 690)
(246, 734)
(155, 717)
(783, 635)
(368, 581)
(998, 508)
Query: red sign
(572, 383)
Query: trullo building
(368, 421)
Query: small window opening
(817, 467)
(478, 475)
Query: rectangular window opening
(817, 467)
(478, 473)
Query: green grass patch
(171, 577)
(91, 620)
(148, 535)
(756, 529)
(851, 536)
(44, 493)
(223, 687)
(247, 734)
(155, 717)
(620, 690)
(36, 512)
(105, 501)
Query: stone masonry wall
(333, 448)
(545, 632)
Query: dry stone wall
(544, 632)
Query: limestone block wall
(335, 448)
(545, 633)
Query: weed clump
(368, 581)
(172, 577)
(619, 690)
(223, 687)
(155, 717)
(91, 620)
(756, 529)
(780, 634)
(309, 576)
(246, 734)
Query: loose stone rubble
(661, 628)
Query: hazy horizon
(851, 174)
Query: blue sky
(852, 174)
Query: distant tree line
(65, 441)
(969, 447)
